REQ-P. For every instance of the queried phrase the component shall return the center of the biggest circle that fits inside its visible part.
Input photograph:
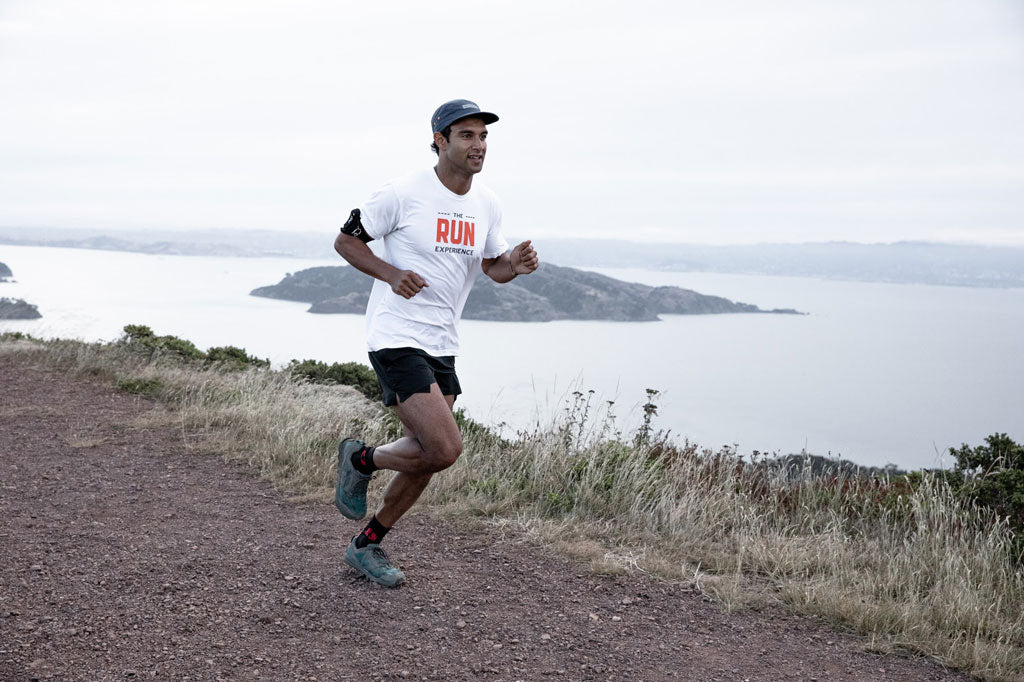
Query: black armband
(354, 227)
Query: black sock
(363, 461)
(374, 532)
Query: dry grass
(83, 442)
(907, 566)
(286, 431)
(911, 567)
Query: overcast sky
(685, 121)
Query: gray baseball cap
(450, 112)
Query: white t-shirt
(441, 236)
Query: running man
(438, 230)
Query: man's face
(466, 146)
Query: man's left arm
(521, 260)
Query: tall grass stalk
(910, 566)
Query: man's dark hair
(447, 134)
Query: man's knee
(442, 454)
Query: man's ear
(440, 141)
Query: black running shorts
(403, 372)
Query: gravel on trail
(127, 552)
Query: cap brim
(487, 117)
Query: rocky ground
(127, 552)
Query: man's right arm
(405, 283)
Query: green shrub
(137, 333)
(141, 338)
(148, 387)
(992, 475)
(999, 453)
(353, 374)
(234, 358)
(182, 347)
(558, 503)
(17, 336)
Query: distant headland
(15, 308)
(932, 263)
(551, 293)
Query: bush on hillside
(140, 338)
(234, 357)
(354, 374)
(17, 336)
(992, 475)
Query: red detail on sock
(370, 535)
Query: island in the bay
(551, 293)
(15, 308)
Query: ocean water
(876, 373)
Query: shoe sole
(347, 512)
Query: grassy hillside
(903, 560)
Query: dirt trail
(126, 556)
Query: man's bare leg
(400, 495)
(431, 443)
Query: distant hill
(17, 309)
(804, 466)
(231, 243)
(550, 293)
(901, 262)
(5, 272)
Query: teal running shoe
(372, 562)
(350, 491)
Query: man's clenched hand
(523, 259)
(407, 283)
